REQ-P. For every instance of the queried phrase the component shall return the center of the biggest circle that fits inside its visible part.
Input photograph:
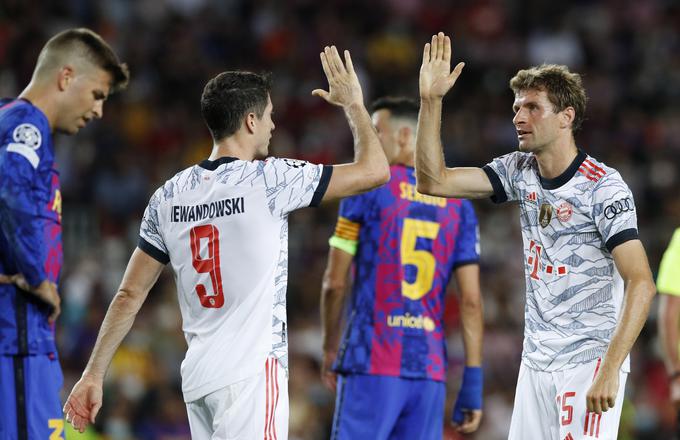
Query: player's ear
(251, 122)
(567, 117)
(65, 77)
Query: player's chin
(69, 130)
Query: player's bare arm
(631, 262)
(433, 178)
(333, 290)
(669, 315)
(85, 399)
(370, 168)
(472, 323)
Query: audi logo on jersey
(619, 206)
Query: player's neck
(232, 147)
(42, 99)
(555, 159)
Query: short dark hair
(564, 88)
(91, 47)
(399, 106)
(230, 96)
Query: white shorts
(552, 405)
(254, 408)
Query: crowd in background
(628, 52)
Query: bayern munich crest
(564, 212)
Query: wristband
(470, 393)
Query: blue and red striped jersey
(408, 245)
(30, 225)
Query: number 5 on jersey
(209, 265)
(423, 260)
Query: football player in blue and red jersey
(391, 358)
(75, 72)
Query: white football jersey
(570, 225)
(223, 227)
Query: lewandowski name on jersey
(220, 208)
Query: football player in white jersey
(223, 227)
(588, 282)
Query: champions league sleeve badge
(27, 140)
(545, 215)
(295, 163)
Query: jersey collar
(213, 164)
(566, 175)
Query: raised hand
(436, 77)
(343, 85)
(83, 403)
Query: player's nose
(518, 118)
(98, 109)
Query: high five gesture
(343, 84)
(436, 77)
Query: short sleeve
(668, 280)
(467, 241)
(22, 195)
(293, 184)
(613, 210)
(503, 173)
(150, 238)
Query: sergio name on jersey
(570, 225)
(223, 226)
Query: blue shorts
(384, 407)
(32, 411)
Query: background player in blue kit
(75, 72)
(405, 246)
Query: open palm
(436, 77)
(343, 84)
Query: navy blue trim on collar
(213, 164)
(322, 185)
(566, 175)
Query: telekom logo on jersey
(537, 267)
